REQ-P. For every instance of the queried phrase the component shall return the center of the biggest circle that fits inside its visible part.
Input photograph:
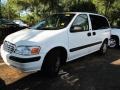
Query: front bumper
(24, 60)
(26, 64)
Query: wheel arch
(63, 53)
(115, 36)
(106, 40)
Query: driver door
(79, 37)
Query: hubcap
(112, 43)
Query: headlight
(27, 50)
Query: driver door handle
(89, 34)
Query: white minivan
(56, 40)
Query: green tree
(109, 8)
(83, 6)
(10, 10)
(13, 8)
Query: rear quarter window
(99, 22)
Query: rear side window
(98, 22)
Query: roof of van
(76, 12)
(85, 13)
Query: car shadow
(92, 72)
(2, 85)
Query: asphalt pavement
(92, 72)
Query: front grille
(9, 47)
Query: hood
(29, 35)
(115, 29)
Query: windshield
(54, 22)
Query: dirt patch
(9, 75)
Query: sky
(3, 1)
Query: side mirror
(75, 28)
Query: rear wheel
(52, 64)
(114, 42)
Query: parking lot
(92, 72)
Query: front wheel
(103, 48)
(52, 64)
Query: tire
(52, 64)
(114, 42)
(103, 49)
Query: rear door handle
(89, 34)
(94, 33)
